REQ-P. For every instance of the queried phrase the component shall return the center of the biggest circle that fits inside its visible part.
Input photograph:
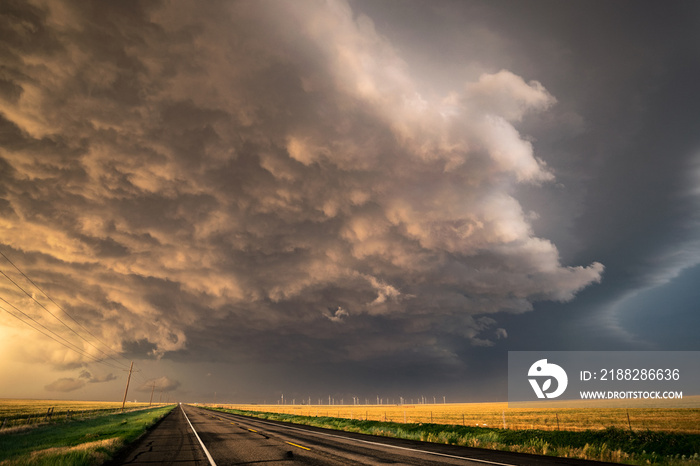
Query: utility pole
(152, 390)
(127, 385)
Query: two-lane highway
(172, 441)
(228, 439)
(233, 439)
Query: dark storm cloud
(634, 88)
(621, 141)
(255, 179)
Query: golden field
(18, 412)
(569, 417)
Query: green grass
(76, 442)
(15, 413)
(612, 444)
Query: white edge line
(206, 452)
(385, 444)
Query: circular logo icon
(546, 372)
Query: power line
(54, 302)
(53, 315)
(64, 342)
(67, 344)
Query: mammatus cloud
(203, 177)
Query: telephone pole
(152, 390)
(127, 385)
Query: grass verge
(77, 442)
(612, 444)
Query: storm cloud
(256, 196)
(266, 171)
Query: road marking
(387, 445)
(206, 452)
(298, 446)
(253, 430)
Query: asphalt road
(228, 439)
(170, 442)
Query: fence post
(629, 424)
(463, 420)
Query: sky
(257, 199)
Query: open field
(76, 441)
(15, 412)
(571, 418)
(617, 445)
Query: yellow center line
(298, 446)
(253, 430)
